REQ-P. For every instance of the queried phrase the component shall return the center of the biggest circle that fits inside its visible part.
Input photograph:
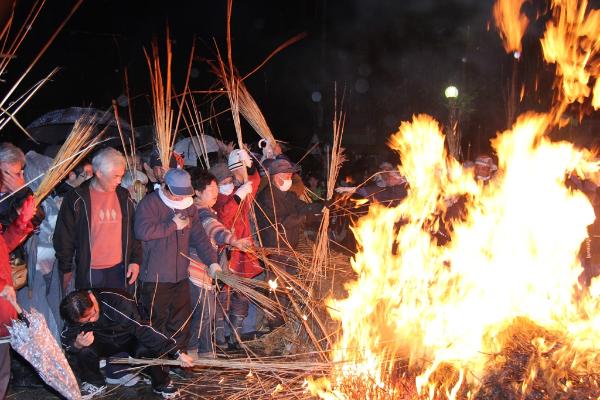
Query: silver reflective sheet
(37, 345)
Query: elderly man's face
(109, 179)
(12, 176)
(159, 173)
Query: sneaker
(126, 380)
(181, 373)
(167, 391)
(89, 390)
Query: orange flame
(572, 42)
(443, 313)
(515, 255)
(511, 23)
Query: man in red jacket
(14, 235)
(233, 208)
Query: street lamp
(453, 135)
(451, 92)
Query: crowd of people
(124, 256)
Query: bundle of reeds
(321, 247)
(165, 126)
(161, 101)
(244, 286)
(251, 112)
(83, 138)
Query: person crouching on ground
(105, 323)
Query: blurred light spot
(316, 96)
(122, 101)
(194, 73)
(361, 85)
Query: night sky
(392, 58)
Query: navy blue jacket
(163, 245)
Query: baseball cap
(179, 182)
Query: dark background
(391, 58)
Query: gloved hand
(244, 190)
(242, 244)
(245, 158)
(26, 212)
(213, 269)
(181, 221)
(345, 189)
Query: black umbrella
(54, 126)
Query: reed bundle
(162, 112)
(244, 365)
(251, 113)
(165, 124)
(83, 138)
(244, 286)
(321, 247)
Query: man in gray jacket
(167, 223)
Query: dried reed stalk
(321, 247)
(249, 109)
(19, 39)
(82, 139)
(161, 100)
(245, 365)
(244, 286)
(165, 126)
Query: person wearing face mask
(233, 209)
(280, 204)
(202, 287)
(281, 216)
(167, 224)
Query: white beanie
(234, 161)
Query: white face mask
(379, 181)
(226, 189)
(175, 205)
(286, 185)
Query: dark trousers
(4, 368)
(231, 309)
(85, 363)
(203, 307)
(109, 278)
(167, 306)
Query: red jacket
(238, 222)
(13, 236)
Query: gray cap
(220, 171)
(179, 182)
(281, 166)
